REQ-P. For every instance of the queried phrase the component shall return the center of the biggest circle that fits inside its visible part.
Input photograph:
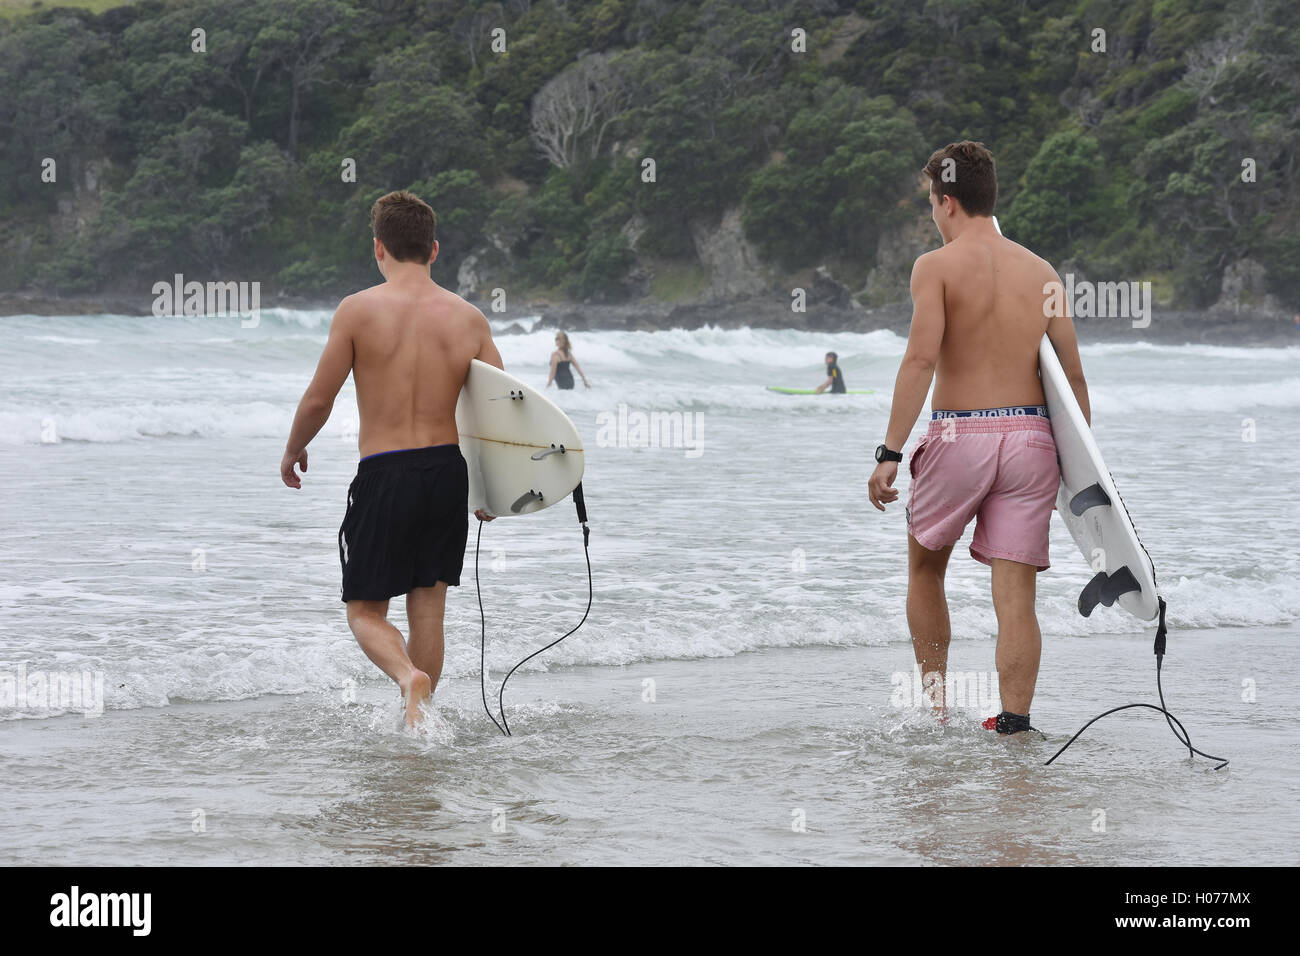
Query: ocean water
(745, 651)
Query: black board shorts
(406, 524)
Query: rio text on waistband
(1012, 411)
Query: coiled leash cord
(504, 725)
(1180, 731)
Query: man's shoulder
(376, 299)
(356, 304)
(958, 257)
(933, 265)
(943, 259)
(457, 305)
(1031, 270)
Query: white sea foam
(165, 427)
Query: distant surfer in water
(978, 316)
(834, 378)
(561, 359)
(408, 343)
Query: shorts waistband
(1009, 411)
(405, 457)
(989, 424)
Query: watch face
(880, 453)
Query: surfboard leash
(1179, 731)
(504, 726)
(482, 642)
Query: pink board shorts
(998, 468)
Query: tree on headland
(572, 115)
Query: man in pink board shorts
(978, 317)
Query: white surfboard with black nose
(523, 452)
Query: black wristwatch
(884, 454)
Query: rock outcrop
(1244, 291)
(731, 259)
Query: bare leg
(927, 611)
(383, 644)
(424, 611)
(1019, 641)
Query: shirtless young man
(408, 343)
(978, 316)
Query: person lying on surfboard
(408, 343)
(834, 378)
(978, 317)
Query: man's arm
(915, 372)
(487, 349)
(487, 352)
(826, 384)
(1060, 331)
(318, 401)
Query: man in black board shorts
(408, 343)
(834, 379)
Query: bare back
(412, 348)
(993, 323)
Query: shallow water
(153, 543)
(719, 768)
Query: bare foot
(416, 691)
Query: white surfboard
(523, 452)
(1090, 505)
(1092, 509)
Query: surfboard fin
(1090, 497)
(523, 499)
(553, 450)
(1106, 589)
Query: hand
(287, 474)
(821, 388)
(881, 486)
(483, 515)
(586, 383)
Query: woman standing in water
(561, 359)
